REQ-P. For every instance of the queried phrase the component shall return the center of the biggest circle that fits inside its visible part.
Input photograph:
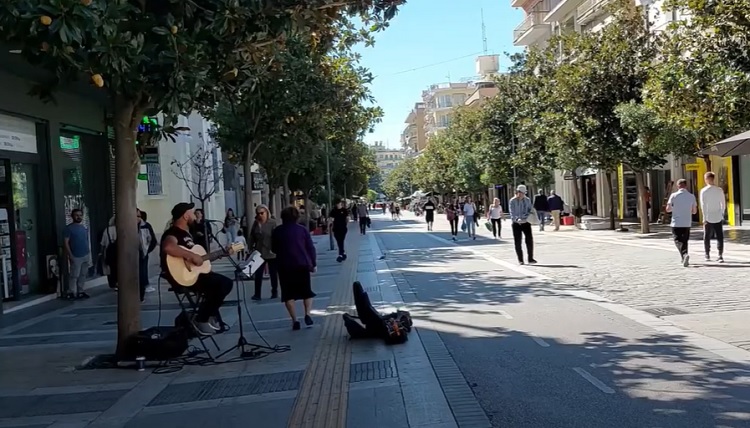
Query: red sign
(23, 274)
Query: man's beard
(78, 220)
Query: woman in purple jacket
(295, 260)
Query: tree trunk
(577, 202)
(707, 160)
(247, 167)
(272, 200)
(307, 209)
(126, 169)
(640, 182)
(612, 225)
(287, 195)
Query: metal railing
(533, 19)
(589, 6)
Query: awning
(732, 146)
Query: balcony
(559, 9)
(531, 30)
(589, 10)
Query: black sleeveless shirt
(184, 239)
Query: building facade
(172, 173)
(52, 158)
(387, 159)
(414, 138)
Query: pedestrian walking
(429, 213)
(520, 210)
(261, 235)
(108, 254)
(148, 242)
(451, 214)
(78, 252)
(681, 204)
(495, 215)
(364, 217)
(541, 206)
(296, 258)
(231, 225)
(339, 226)
(713, 204)
(469, 210)
(556, 206)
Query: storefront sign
(149, 155)
(70, 143)
(17, 135)
(692, 167)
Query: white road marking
(594, 381)
(723, 349)
(539, 341)
(505, 315)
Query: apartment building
(387, 159)
(413, 138)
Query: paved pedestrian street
(608, 330)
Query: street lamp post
(513, 148)
(330, 195)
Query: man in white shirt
(713, 204)
(682, 205)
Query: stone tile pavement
(640, 271)
(43, 385)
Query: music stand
(241, 342)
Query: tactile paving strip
(227, 388)
(372, 370)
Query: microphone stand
(239, 281)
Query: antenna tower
(484, 34)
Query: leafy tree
(703, 77)
(163, 57)
(436, 169)
(606, 69)
(372, 196)
(400, 181)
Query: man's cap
(180, 209)
(521, 188)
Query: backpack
(392, 328)
(398, 325)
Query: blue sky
(428, 41)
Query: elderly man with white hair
(520, 209)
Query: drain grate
(227, 388)
(666, 311)
(372, 370)
(58, 404)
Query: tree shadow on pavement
(603, 380)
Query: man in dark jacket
(556, 206)
(542, 209)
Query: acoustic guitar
(185, 274)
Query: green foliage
(400, 181)
(703, 77)
(372, 196)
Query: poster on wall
(17, 135)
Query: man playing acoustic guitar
(176, 242)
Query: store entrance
(19, 241)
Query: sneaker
(343, 257)
(255, 297)
(520, 262)
(214, 323)
(686, 260)
(339, 259)
(150, 289)
(308, 320)
(82, 295)
(204, 328)
(532, 261)
(474, 238)
(296, 325)
(708, 257)
(721, 259)
(275, 295)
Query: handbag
(463, 225)
(488, 225)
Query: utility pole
(330, 195)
